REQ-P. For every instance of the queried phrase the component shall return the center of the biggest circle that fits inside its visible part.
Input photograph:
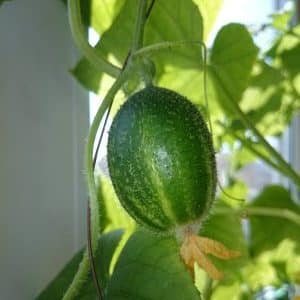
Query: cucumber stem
(79, 36)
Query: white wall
(43, 122)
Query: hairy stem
(79, 36)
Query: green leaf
(87, 75)
(57, 287)
(267, 232)
(290, 60)
(107, 247)
(150, 268)
(232, 59)
(104, 260)
(281, 20)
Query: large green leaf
(232, 58)
(150, 268)
(57, 287)
(266, 231)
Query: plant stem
(139, 26)
(261, 211)
(84, 266)
(79, 36)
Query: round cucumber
(161, 160)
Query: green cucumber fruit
(161, 160)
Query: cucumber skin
(161, 160)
